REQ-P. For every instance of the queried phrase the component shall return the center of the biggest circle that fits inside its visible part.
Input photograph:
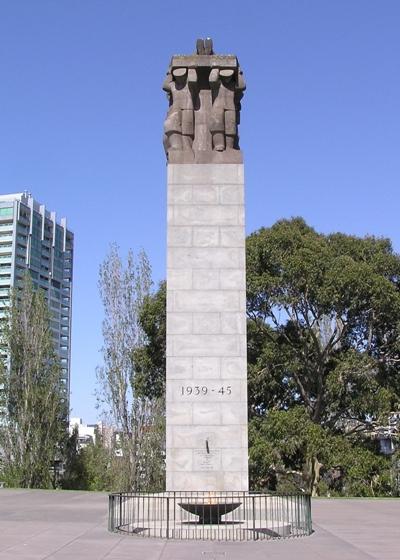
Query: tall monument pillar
(206, 400)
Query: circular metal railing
(210, 515)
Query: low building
(86, 432)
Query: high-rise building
(31, 238)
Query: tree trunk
(311, 475)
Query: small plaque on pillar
(204, 460)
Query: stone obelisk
(206, 400)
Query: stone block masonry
(206, 397)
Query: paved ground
(39, 524)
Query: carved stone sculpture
(225, 111)
(179, 124)
(204, 92)
(204, 46)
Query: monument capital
(204, 92)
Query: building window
(8, 211)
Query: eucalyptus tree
(324, 327)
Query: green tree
(98, 466)
(75, 475)
(33, 406)
(150, 357)
(288, 452)
(324, 328)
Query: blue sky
(81, 113)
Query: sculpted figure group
(183, 86)
(179, 125)
(227, 90)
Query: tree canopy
(323, 330)
(149, 358)
(324, 324)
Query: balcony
(6, 238)
(21, 239)
(6, 227)
(24, 218)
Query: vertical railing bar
(265, 515)
(291, 513)
(125, 512)
(120, 511)
(162, 504)
(135, 515)
(303, 519)
(151, 515)
(142, 502)
(247, 514)
(127, 502)
(131, 514)
(297, 514)
(254, 522)
(128, 513)
(174, 498)
(158, 520)
(148, 497)
(168, 518)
